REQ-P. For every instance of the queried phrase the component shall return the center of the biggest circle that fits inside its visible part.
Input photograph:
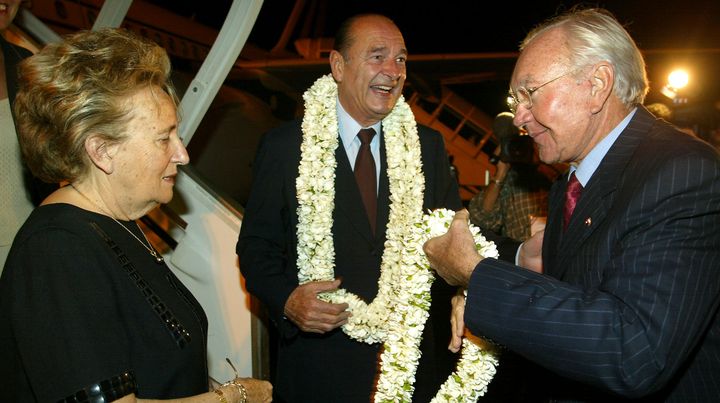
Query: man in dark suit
(316, 360)
(627, 307)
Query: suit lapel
(554, 230)
(597, 197)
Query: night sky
(482, 26)
(475, 26)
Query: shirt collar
(349, 128)
(587, 167)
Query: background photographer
(516, 197)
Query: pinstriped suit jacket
(629, 305)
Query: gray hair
(595, 35)
(79, 87)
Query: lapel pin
(588, 222)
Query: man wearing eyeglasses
(627, 305)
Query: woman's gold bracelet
(220, 396)
(240, 388)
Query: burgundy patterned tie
(572, 195)
(365, 175)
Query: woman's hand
(258, 391)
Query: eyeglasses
(523, 95)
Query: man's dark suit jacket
(629, 305)
(332, 367)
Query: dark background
(481, 26)
(680, 34)
(671, 34)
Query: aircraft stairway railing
(468, 136)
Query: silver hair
(595, 35)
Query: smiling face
(145, 163)
(371, 75)
(561, 119)
(8, 10)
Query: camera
(514, 147)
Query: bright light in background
(678, 79)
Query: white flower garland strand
(398, 313)
(316, 194)
(476, 367)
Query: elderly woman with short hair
(88, 309)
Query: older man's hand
(310, 314)
(453, 255)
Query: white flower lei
(398, 313)
(476, 367)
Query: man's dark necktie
(572, 195)
(365, 175)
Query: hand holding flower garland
(476, 367)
